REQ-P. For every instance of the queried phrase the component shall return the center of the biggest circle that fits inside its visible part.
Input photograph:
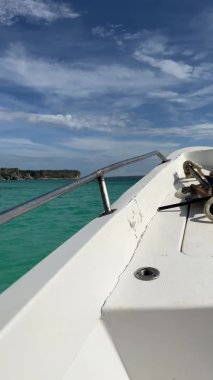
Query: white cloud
(198, 131)
(202, 22)
(109, 150)
(77, 81)
(179, 70)
(150, 42)
(154, 50)
(133, 36)
(24, 147)
(163, 94)
(154, 44)
(15, 141)
(204, 91)
(203, 71)
(110, 31)
(121, 147)
(196, 99)
(103, 32)
(101, 123)
(194, 131)
(36, 10)
(199, 56)
(72, 122)
(187, 53)
(169, 96)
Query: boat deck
(156, 325)
(178, 242)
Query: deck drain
(147, 273)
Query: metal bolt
(147, 273)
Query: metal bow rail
(7, 215)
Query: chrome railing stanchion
(104, 192)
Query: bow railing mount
(7, 215)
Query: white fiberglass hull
(82, 314)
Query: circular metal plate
(147, 273)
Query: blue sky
(86, 83)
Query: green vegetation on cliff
(17, 174)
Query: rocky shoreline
(16, 174)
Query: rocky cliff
(18, 174)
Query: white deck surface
(198, 239)
(181, 248)
(102, 363)
(162, 328)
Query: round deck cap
(147, 273)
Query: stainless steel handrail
(9, 214)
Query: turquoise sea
(28, 239)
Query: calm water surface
(28, 239)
